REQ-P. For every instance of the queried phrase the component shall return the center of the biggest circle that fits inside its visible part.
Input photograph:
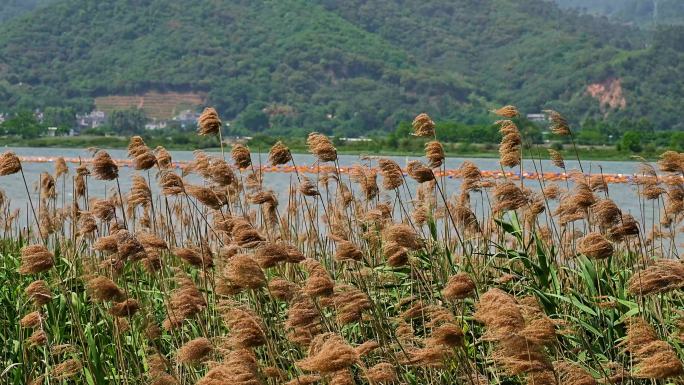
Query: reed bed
(206, 276)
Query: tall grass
(375, 276)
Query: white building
(92, 120)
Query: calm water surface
(623, 194)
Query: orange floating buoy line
(449, 173)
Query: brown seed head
(194, 351)
(328, 353)
(392, 176)
(423, 126)
(31, 320)
(349, 303)
(321, 147)
(241, 156)
(67, 369)
(104, 289)
(39, 292)
(244, 272)
(663, 276)
(206, 196)
(282, 289)
(126, 308)
(671, 161)
(9, 163)
(402, 235)
(434, 152)
(104, 167)
(246, 328)
(570, 373)
(459, 286)
(595, 246)
(307, 188)
(381, 374)
(279, 154)
(559, 125)
(184, 302)
(221, 173)
(171, 184)
(508, 112)
(35, 259)
(508, 196)
(61, 167)
(209, 122)
(319, 282)
(419, 172)
(164, 160)
(556, 158)
(655, 358)
(103, 209)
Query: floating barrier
(316, 169)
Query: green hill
(341, 66)
(642, 12)
(12, 8)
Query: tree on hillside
(23, 124)
(127, 122)
(59, 117)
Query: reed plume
(60, 167)
(39, 292)
(209, 122)
(423, 126)
(104, 167)
(595, 246)
(279, 154)
(559, 125)
(163, 157)
(419, 172)
(509, 150)
(321, 147)
(671, 161)
(328, 353)
(241, 156)
(434, 152)
(459, 286)
(246, 328)
(35, 259)
(661, 277)
(508, 112)
(244, 272)
(194, 351)
(392, 176)
(655, 358)
(221, 173)
(556, 158)
(184, 302)
(9, 163)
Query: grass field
(346, 279)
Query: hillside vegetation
(13, 8)
(642, 12)
(344, 67)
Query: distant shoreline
(455, 150)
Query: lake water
(624, 194)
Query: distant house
(52, 131)
(538, 118)
(3, 117)
(187, 118)
(92, 120)
(361, 139)
(156, 125)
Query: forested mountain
(643, 12)
(346, 66)
(12, 8)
